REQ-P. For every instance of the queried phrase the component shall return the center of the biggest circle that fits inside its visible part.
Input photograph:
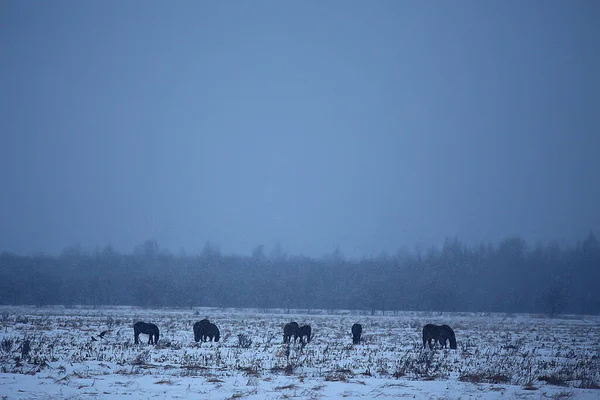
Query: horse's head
(450, 335)
(306, 331)
(453, 342)
(214, 331)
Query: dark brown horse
(209, 332)
(147, 328)
(212, 333)
(289, 330)
(198, 327)
(439, 333)
(303, 331)
(356, 332)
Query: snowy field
(56, 352)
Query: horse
(198, 328)
(213, 332)
(301, 332)
(289, 330)
(209, 332)
(356, 332)
(147, 328)
(441, 333)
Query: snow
(498, 356)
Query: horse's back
(447, 329)
(290, 328)
(202, 323)
(139, 326)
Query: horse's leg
(426, 338)
(136, 338)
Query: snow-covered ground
(498, 355)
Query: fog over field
(372, 127)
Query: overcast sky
(371, 125)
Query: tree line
(510, 276)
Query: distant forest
(508, 277)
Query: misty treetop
(511, 276)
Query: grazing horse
(149, 329)
(301, 332)
(441, 333)
(209, 332)
(289, 330)
(356, 332)
(198, 328)
(212, 332)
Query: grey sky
(370, 125)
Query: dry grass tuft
(530, 386)
(290, 386)
(553, 380)
(560, 395)
(337, 377)
(482, 378)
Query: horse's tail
(425, 337)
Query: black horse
(209, 332)
(289, 330)
(441, 333)
(356, 332)
(149, 329)
(302, 332)
(198, 326)
(212, 332)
